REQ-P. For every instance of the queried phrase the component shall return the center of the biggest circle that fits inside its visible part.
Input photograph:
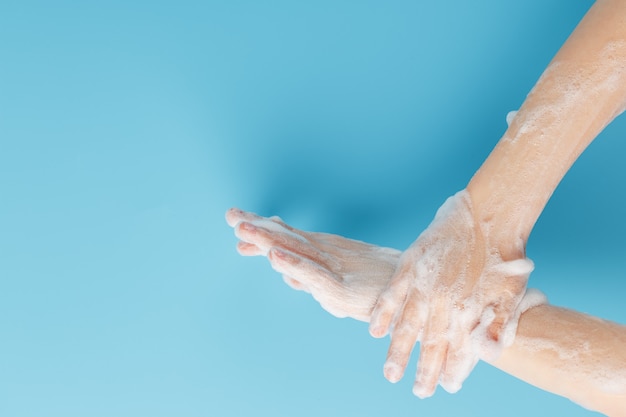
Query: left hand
(345, 276)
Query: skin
(582, 90)
(559, 350)
(455, 295)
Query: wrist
(504, 228)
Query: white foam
(483, 345)
(532, 298)
(473, 300)
(455, 383)
(277, 228)
(517, 267)
(579, 355)
(510, 116)
(569, 85)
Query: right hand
(454, 293)
(345, 276)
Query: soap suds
(471, 295)
(510, 116)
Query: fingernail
(392, 372)
(421, 391)
(248, 226)
(451, 386)
(377, 331)
(230, 217)
(418, 391)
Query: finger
(235, 215)
(404, 336)
(502, 325)
(248, 249)
(390, 301)
(500, 333)
(277, 220)
(296, 285)
(266, 235)
(246, 232)
(280, 221)
(505, 310)
(459, 361)
(515, 277)
(456, 373)
(310, 274)
(495, 329)
(483, 345)
(433, 351)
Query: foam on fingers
(266, 234)
(460, 361)
(232, 216)
(235, 216)
(309, 273)
(379, 324)
(382, 315)
(402, 342)
(393, 372)
(404, 337)
(429, 367)
(248, 249)
(389, 303)
(433, 351)
(277, 229)
(453, 382)
(468, 292)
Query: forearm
(582, 90)
(579, 357)
(561, 351)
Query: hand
(345, 276)
(453, 293)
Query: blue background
(128, 128)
